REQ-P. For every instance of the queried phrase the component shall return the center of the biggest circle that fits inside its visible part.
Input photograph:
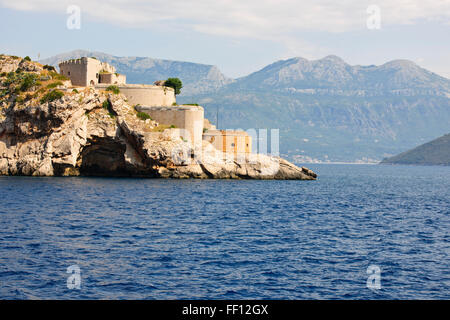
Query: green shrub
(20, 99)
(10, 78)
(174, 83)
(114, 89)
(106, 105)
(3, 74)
(52, 96)
(28, 81)
(54, 84)
(57, 76)
(172, 126)
(191, 104)
(75, 91)
(143, 116)
(27, 58)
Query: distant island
(436, 152)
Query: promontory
(86, 120)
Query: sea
(357, 232)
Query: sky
(238, 36)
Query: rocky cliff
(48, 129)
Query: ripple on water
(187, 239)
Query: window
(68, 73)
(232, 144)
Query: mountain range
(326, 110)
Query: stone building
(87, 72)
(237, 143)
(90, 72)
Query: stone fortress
(159, 102)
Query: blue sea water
(228, 239)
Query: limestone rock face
(96, 133)
(9, 63)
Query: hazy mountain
(196, 77)
(436, 152)
(325, 109)
(333, 73)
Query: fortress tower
(90, 72)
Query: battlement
(74, 61)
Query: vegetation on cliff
(24, 82)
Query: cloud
(260, 19)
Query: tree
(174, 83)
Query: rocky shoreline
(97, 133)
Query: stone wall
(112, 78)
(189, 118)
(147, 95)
